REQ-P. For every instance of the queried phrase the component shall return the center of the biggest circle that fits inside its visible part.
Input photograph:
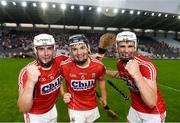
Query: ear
(69, 48)
(55, 47)
(89, 49)
(35, 50)
(136, 47)
(55, 50)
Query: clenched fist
(103, 101)
(33, 73)
(67, 97)
(132, 67)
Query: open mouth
(125, 55)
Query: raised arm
(25, 100)
(111, 73)
(147, 87)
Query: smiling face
(44, 55)
(126, 49)
(79, 53)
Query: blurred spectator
(20, 41)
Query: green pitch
(168, 81)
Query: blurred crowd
(17, 44)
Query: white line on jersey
(169, 88)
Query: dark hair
(78, 38)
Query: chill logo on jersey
(79, 85)
(130, 84)
(52, 86)
(83, 77)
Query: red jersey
(148, 71)
(81, 83)
(47, 88)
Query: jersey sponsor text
(79, 85)
(52, 86)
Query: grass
(168, 82)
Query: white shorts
(83, 116)
(48, 117)
(135, 116)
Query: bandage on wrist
(101, 50)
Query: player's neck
(43, 68)
(86, 64)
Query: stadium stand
(20, 23)
(18, 44)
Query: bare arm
(62, 89)
(147, 88)
(25, 100)
(111, 73)
(148, 91)
(102, 85)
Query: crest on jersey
(83, 77)
(51, 76)
(93, 75)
